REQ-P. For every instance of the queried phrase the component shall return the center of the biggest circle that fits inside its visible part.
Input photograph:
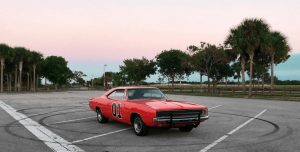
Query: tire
(186, 128)
(139, 127)
(100, 117)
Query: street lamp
(104, 76)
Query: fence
(285, 92)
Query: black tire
(100, 117)
(139, 127)
(186, 128)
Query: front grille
(179, 115)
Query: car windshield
(145, 93)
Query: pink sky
(86, 30)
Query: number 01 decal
(116, 110)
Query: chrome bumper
(170, 119)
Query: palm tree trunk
(28, 81)
(200, 77)
(208, 81)
(9, 82)
(272, 72)
(263, 84)
(16, 77)
(251, 75)
(2, 68)
(34, 69)
(214, 86)
(243, 73)
(20, 76)
(173, 83)
(36, 86)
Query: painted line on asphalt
(231, 132)
(72, 120)
(52, 140)
(215, 107)
(101, 135)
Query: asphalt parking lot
(62, 121)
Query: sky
(92, 33)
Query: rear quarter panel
(102, 103)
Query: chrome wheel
(100, 117)
(137, 125)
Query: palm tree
(276, 46)
(9, 67)
(4, 52)
(251, 33)
(238, 46)
(21, 55)
(36, 59)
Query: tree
(238, 48)
(247, 38)
(213, 61)
(119, 78)
(36, 59)
(138, 69)
(171, 63)
(4, 53)
(197, 65)
(260, 70)
(276, 46)
(78, 77)
(55, 69)
(21, 55)
(9, 68)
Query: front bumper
(178, 122)
(170, 119)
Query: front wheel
(186, 128)
(100, 117)
(139, 126)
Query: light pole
(104, 76)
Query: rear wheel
(139, 126)
(100, 117)
(186, 128)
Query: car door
(116, 103)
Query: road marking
(52, 140)
(214, 107)
(72, 120)
(231, 132)
(101, 135)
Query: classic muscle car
(145, 107)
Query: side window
(117, 95)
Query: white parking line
(101, 135)
(231, 132)
(52, 140)
(72, 120)
(214, 107)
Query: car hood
(160, 105)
